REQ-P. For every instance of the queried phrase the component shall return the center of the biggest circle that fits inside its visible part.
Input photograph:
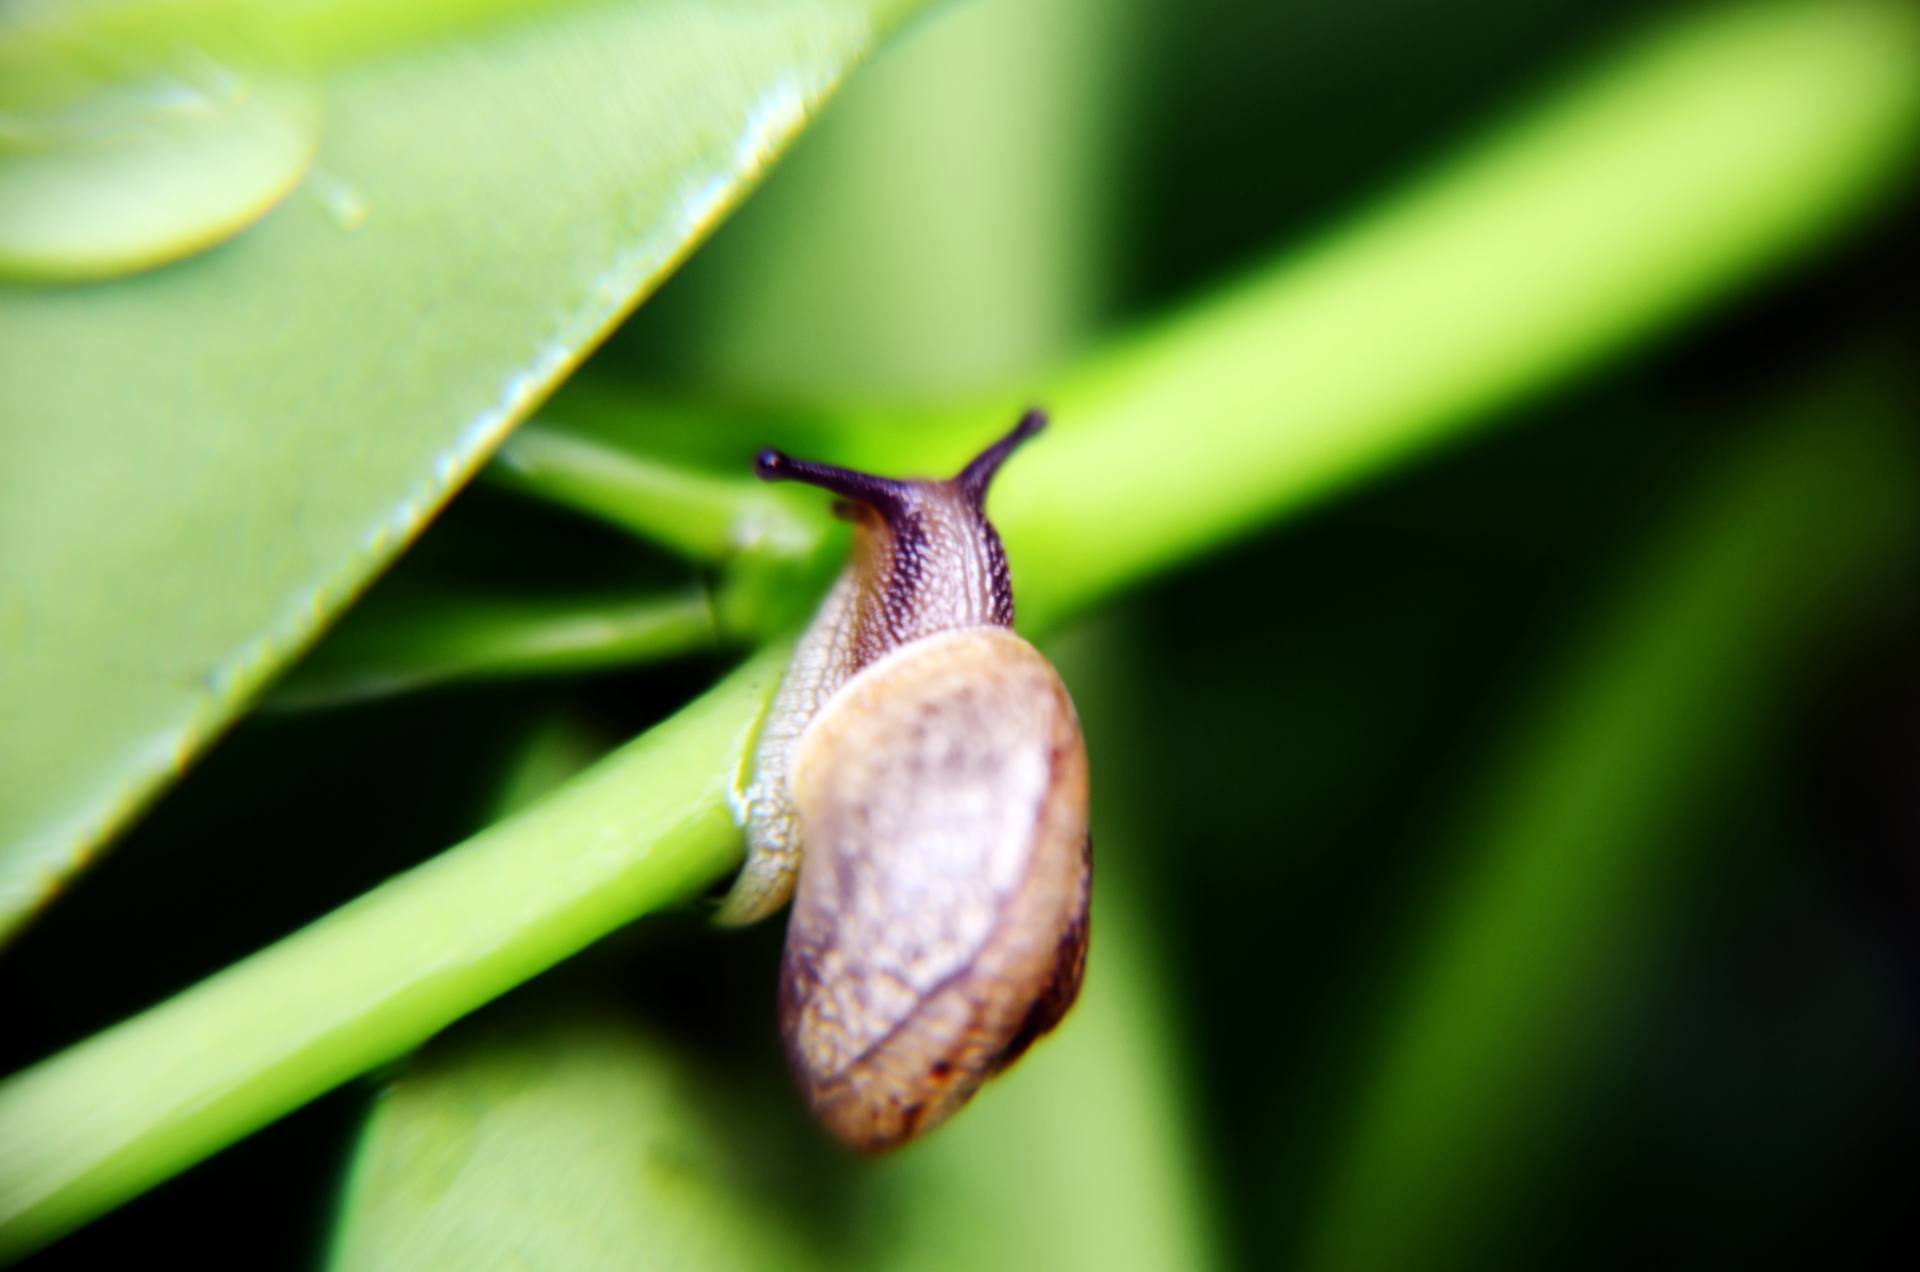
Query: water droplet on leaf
(122, 153)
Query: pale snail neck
(925, 561)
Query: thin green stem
(378, 653)
(696, 514)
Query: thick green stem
(1720, 145)
(650, 825)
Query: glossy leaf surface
(207, 461)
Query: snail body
(921, 776)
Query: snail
(920, 790)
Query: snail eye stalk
(884, 495)
(889, 496)
(978, 475)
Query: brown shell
(940, 922)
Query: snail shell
(923, 774)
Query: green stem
(646, 827)
(376, 653)
(704, 517)
(1722, 144)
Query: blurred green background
(1506, 857)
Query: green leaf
(1503, 1030)
(206, 462)
(569, 1140)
